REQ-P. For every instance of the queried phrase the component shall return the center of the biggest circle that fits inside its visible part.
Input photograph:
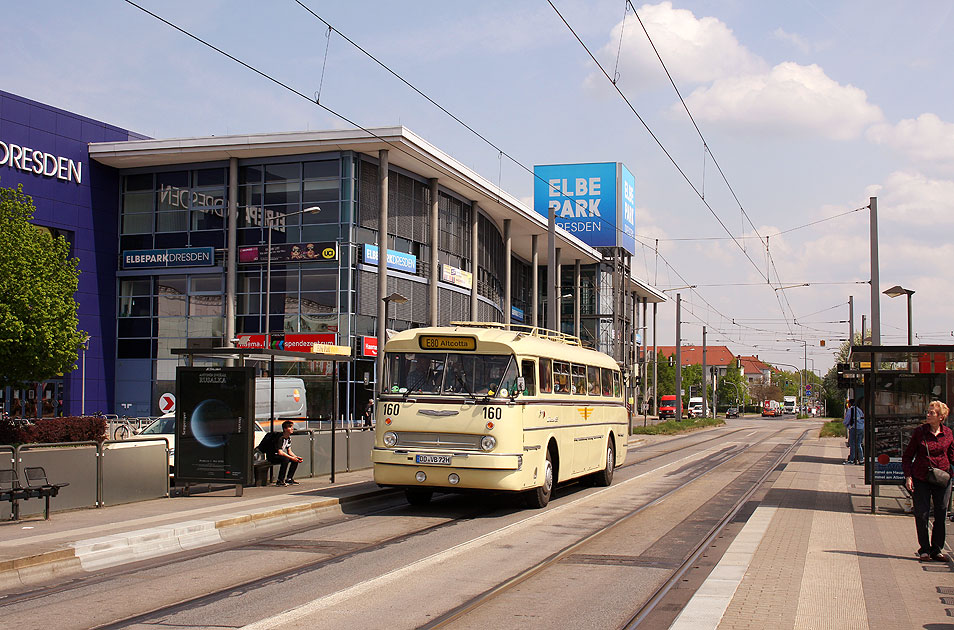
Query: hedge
(51, 430)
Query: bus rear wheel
(417, 496)
(605, 476)
(540, 496)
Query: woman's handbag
(936, 476)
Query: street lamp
(897, 291)
(397, 298)
(268, 221)
(85, 343)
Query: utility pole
(678, 356)
(875, 279)
(851, 320)
(705, 376)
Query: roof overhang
(405, 150)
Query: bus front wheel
(540, 496)
(416, 496)
(605, 476)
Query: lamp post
(397, 298)
(679, 347)
(735, 386)
(897, 291)
(268, 258)
(83, 378)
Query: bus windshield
(450, 373)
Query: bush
(52, 430)
(835, 428)
(671, 427)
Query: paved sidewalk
(33, 550)
(813, 556)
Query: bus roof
(494, 338)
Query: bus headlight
(453, 479)
(390, 439)
(488, 442)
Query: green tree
(732, 387)
(834, 395)
(38, 321)
(665, 375)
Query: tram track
(489, 595)
(248, 586)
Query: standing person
(855, 423)
(368, 414)
(277, 449)
(932, 444)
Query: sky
(800, 112)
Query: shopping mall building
(172, 239)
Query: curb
(94, 554)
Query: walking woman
(931, 446)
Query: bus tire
(418, 496)
(540, 496)
(605, 476)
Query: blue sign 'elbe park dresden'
(178, 257)
(595, 202)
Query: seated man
(277, 449)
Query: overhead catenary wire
(326, 108)
(656, 138)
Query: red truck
(667, 406)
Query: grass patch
(671, 427)
(833, 429)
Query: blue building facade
(46, 150)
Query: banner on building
(595, 202)
(289, 252)
(457, 277)
(396, 260)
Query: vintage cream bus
(478, 406)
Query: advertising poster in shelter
(214, 424)
(900, 404)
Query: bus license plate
(443, 460)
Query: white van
(696, 407)
(290, 398)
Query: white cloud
(792, 38)
(696, 50)
(909, 197)
(790, 99)
(926, 138)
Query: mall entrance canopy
(893, 386)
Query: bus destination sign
(443, 342)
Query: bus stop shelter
(893, 386)
(242, 356)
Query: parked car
(165, 426)
(732, 412)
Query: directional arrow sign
(167, 403)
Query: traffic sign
(167, 403)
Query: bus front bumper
(471, 470)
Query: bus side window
(544, 376)
(616, 384)
(561, 377)
(606, 381)
(592, 380)
(578, 382)
(528, 370)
